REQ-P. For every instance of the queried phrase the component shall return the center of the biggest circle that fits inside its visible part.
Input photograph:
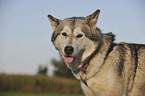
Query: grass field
(35, 94)
(38, 83)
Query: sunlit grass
(35, 94)
(38, 83)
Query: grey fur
(103, 67)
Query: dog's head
(76, 38)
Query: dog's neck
(96, 59)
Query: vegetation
(38, 83)
(42, 70)
(35, 94)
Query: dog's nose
(68, 50)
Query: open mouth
(68, 59)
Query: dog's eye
(64, 34)
(79, 36)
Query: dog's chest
(99, 85)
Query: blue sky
(25, 32)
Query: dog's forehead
(74, 19)
(75, 22)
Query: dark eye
(79, 36)
(64, 34)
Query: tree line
(60, 70)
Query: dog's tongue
(68, 59)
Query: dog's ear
(54, 22)
(92, 19)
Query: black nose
(68, 50)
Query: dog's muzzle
(68, 51)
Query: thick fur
(103, 67)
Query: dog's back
(138, 87)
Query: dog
(105, 68)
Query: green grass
(35, 94)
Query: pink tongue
(68, 59)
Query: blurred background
(30, 64)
